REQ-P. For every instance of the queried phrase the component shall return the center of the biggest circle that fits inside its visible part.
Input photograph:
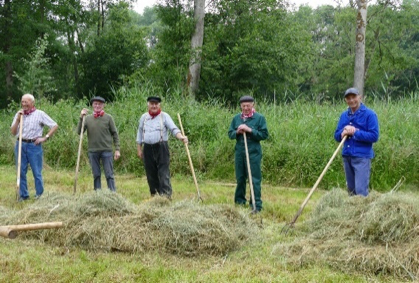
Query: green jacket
(258, 125)
(100, 133)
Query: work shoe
(21, 199)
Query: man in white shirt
(153, 135)
(34, 121)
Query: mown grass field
(35, 261)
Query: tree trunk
(8, 67)
(196, 46)
(72, 46)
(103, 14)
(99, 17)
(79, 41)
(361, 24)
(42, 16)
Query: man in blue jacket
(360, 124)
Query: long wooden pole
(19, 158)
(78, 154)
(190, 159)
(249, 173)
(317, 182)
(10, 231)
(6, 232)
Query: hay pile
(107, 221)
(374, 235)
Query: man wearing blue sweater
(360, 124)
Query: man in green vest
(254, 125)
(101, 133)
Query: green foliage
(115, 54)
(391, 57)
(300, 144)
(259, 50)
(258, 47)
(37, 78)
(169, 62)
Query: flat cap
(97, 98)
(351, 90)
(154, 99)
(246, 98)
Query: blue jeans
(107, 161)
(31, 154)
(357, 171)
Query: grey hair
(30, 96)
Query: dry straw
(378, 234)
(107, 221)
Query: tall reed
(300, 143)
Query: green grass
(34, 261)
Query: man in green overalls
(254, 124)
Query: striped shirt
(33, 124)
(152, 131)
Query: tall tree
(6, 27)
(252, 47)
(109, 58)
(361, 24)
(196, 47)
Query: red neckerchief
(155, 114)
(27, 112)
(250, 115)
(98, 114)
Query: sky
(141, 4)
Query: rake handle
(249, 172)
(78, 154)
(189, 158)
(19, 157)
(10, 231)
(317, 182)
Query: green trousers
(255, 157)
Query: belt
(27, 141)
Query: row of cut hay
(378, 234)
(106, 221)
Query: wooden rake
(11, 231)
(19, 158)
(190, 160)
(287, 227)
(249, 173)
(78, 154)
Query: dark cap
(154, 99)
(97, 98)
(246, 98)
(351, 90)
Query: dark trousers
(107, 160)
(156, 163)
(255, 156)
